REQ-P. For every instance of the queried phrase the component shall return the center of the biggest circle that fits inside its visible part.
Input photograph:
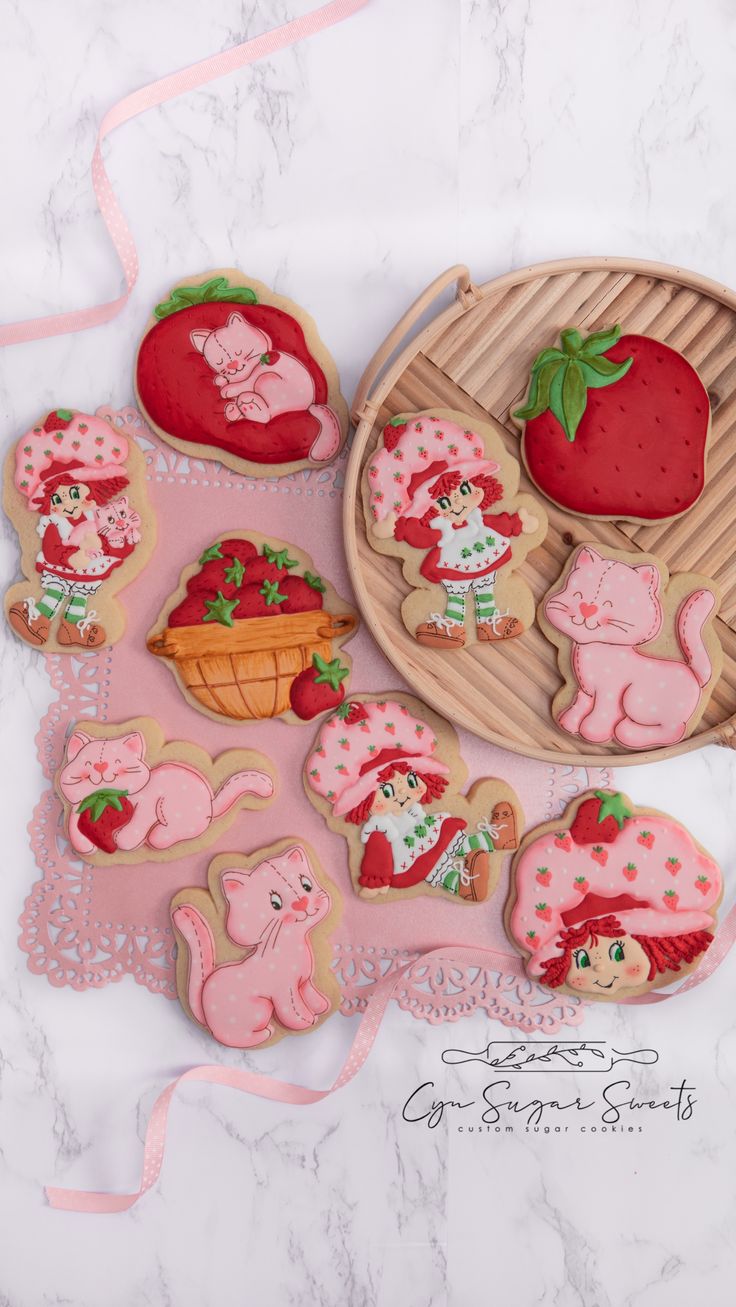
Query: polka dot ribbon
(280, 1091)
(148, 97)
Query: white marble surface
(347, 172)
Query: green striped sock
(485, 606)
(76, 609)
(49, 603)
(455, 608)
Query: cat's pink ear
(76, 742)
(649, 575)
(233, 882)
(135, 743)
(587, 558)
(236, 320)
(297, 857)
(199, 339)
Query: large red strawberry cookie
(231, 369)
(253, 630)
(616, 427)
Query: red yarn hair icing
(665, 952)
(436, 786)
(100, 492)
(449, 481)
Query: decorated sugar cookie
(616, 427)
(75, 492)
(129, 797)
(228, 368)
(440, 493)
(637, 649)
(254, 632)
(387, 774)
(253, 961)
(611, 900)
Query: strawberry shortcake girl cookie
(71, 470)
(612, 901)
(380, 771)
(431, 487)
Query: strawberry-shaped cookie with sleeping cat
(75, 491)
(230, 370)
(440, 493)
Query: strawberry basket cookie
(442, 497)
(612, 901)
(385, 773)
(74, 490)
(255, 632)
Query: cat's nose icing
(232, 366)
(588, 610)
(101, 767)
(300, 905)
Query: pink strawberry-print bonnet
(359, 741)
(402, 472)
(88, 447)
(664, 883)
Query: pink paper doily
(86, 927)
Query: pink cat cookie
(385, 773)
(253, 962)
(611, 901)
(229, 369)
(638, 649)
(128, 797)
(81, 538)
(440, 494)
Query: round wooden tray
(475, 357)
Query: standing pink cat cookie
(75, 492)
(637, 648)
(253, 956)
(227, 367)
(129, 797)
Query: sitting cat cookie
(440, 493)
(610, 901)
(129, 797)
(253, 959)
(386, 773)
(75, 491)
(638, 649)
(228, 369)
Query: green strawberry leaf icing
(330, 674)
(235, 573)
(98, 803)
(210, 554)
(271, 593)
(64, 414)
(561, 378)
(612, 805)
(279, 558)
(220, 610)
(216, 290)
(315, 581)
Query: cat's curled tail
(243, 782)
(692, 615)
(327, 440)
(198, 938)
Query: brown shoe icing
(503, 818)
(87, 633)
(28, 623)
(438, 636)
(503, 628)
(474, 887)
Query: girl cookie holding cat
(432, 487)
(71, 472)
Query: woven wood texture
(477, 361)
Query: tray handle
(467, 293)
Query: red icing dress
(406, 849)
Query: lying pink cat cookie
(252, 960)
(638, 650)
(128, 797)
(611, 901)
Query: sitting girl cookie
(386, 774)
(442, 498)
(81, 536)
(612, 900)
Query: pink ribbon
(166, 88)
(281, 1091)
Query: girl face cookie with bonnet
(442, 497)
(385, 773)
(612, 901)
(74, 490)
